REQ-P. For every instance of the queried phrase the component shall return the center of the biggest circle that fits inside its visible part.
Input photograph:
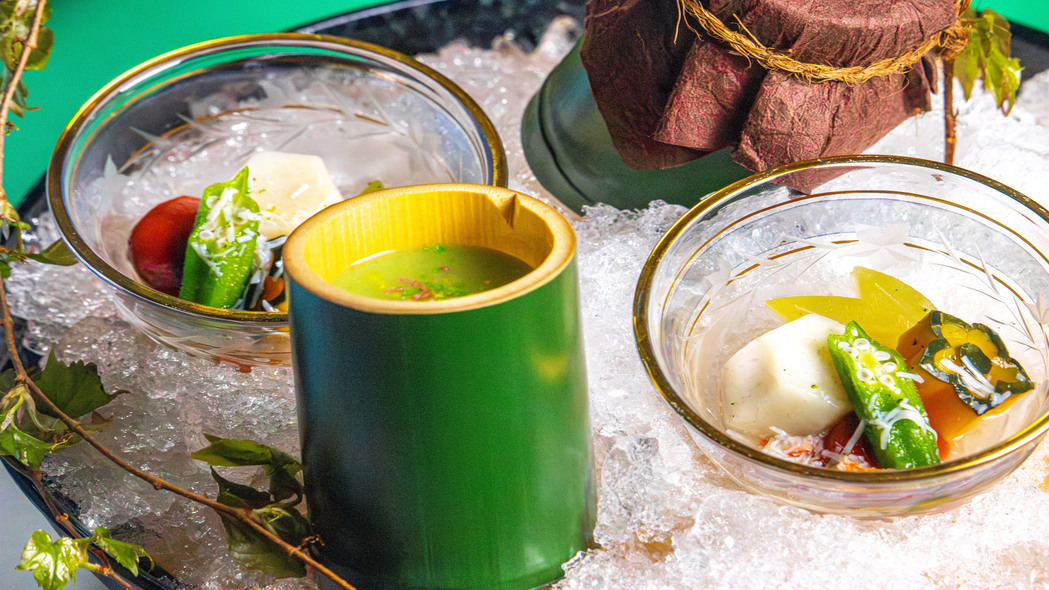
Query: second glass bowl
(976, 248)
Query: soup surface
(431, 273)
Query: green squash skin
(1003, 389)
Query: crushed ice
(667, 517)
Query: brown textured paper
(668, 96)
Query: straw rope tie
(949, 41)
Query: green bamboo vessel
(445, 444)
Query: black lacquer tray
(413, 27)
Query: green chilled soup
(430, 273)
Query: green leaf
(987, 57)
(54, 563)
(58, 253)
(98, 423)
(283, 484)
(14, 32)
(44, 42)
(14, 440)
(251, 549)
(228, 452)
(247, 546)
(10, 215)
(126, 554)
(8, 53)
(28, 450)
(288, 524)
(239, 496)
(76, 389)
(26, 433)
(967, 69)
(280, 467)
(19, 104)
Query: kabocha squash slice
(971, 358)
(887, 305)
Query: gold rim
(492, 148)
(560, 256)
(645, 345)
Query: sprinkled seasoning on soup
(431, 273)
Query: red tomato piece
(158, 243)
(838, 436)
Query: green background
(97, 40)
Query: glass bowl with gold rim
(192, 117)
(974, 247)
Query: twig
(9, 95)
(60, 517)
(950, 50)
(242, 515)
(108, 572)
(104, 566)
(950, 115)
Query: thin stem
(242, 515)
(950, 116)
(105, 570)
(109, 573)
(9, 332)
(36, 476)
(9, 94)
(104, 567)
(245, 516)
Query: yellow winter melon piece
(886, 307)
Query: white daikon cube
(785, 380)
(289, 188)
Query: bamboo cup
(445, 444)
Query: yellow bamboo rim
(416, 216)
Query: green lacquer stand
(570, 151)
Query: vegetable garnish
(157, 245)
(897, 425)
(222, 245)
(887, 305)
(972, 358)
(846, 448)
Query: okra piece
(897, 425)
(221, 248)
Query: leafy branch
(38, 409)
(28, 433)
(25, 44)
(276, 507)
(986, 55)
(54, 563)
